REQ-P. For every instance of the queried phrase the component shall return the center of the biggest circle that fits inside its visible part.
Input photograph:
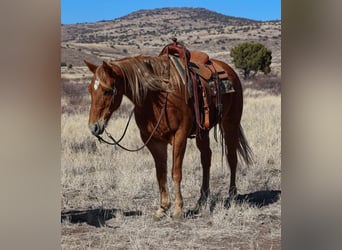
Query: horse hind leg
(232, 160)
(231, 140)
(158, 150)
(203, 144)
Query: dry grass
(98, 176)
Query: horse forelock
(100, 78)
(144, 73)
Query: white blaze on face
(96, 84)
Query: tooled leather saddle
(199, 74)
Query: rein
(117, 142)
(109, 135)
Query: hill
(119, 188)
(148, 31)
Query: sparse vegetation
(95, 175)
(190, 25)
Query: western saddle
(198, 72)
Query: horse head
(106, 91)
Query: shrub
(251, 57)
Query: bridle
(117, 142)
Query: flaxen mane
(147, 73)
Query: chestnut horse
(164, 116)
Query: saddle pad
(179, 66)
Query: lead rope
(117, 142)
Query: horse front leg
(179, 146)
(203, 144)
(158, 150)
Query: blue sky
(80, 11)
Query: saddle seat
(198, 61)
(199, 57)
(205, 67)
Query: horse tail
(244, 150)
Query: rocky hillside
(148, 31)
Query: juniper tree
(251, 58)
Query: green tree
(251, 57)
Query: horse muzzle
(96, 128)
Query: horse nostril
(94, 128)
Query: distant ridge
(147, 31)
(195, 11)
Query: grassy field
(123, 185)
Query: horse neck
(138, 93)
(122, 84)
(126, 90)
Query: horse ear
(91, 66)
(107, 68)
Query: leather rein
(117, 142)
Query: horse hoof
(177, 216)
(157, 218)
(192, 213)
(232, 192)
(160, 213)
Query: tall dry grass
(96, 175)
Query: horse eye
(108, 92)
